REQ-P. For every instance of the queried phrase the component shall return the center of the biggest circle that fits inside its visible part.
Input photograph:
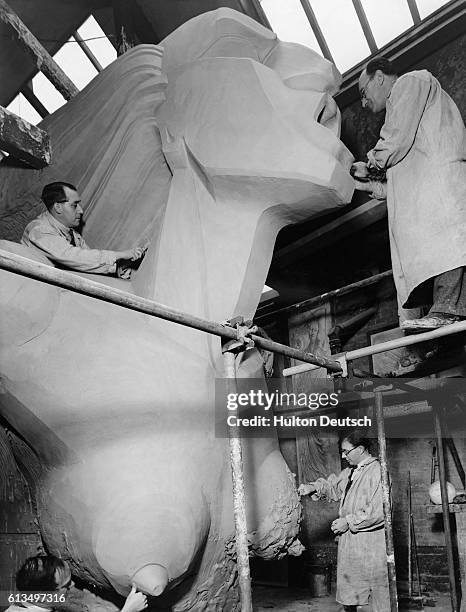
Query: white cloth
(53, 239)
(423, 145)
(362, 563)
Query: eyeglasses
(363, 90)
(346, 452)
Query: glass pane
(46, 92)
(74, 62)
(97, 41)
(289, 22)
(426, 7)
(387, 19)
(21, 107)
(342, 31)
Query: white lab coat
(423, 146)
(362, 558)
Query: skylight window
(426, 7)
(290, 23)
(342, 31)
(21, 107)
(351, 30)
(46, 93)
(97, 41)
(387, 19)
(74, 62)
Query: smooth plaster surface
(206, 152)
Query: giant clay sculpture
(207, 146)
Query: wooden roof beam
(353, 221)
(317, 31)
(43, 60)
(24, 141)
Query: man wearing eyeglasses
(362, 565)
(422, 148)
(54, 234)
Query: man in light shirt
(54, 234)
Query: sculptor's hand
(339, 525)
(306, 489)
(135, 601)
(359, 170)
(132, 254)
(360, 186)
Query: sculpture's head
(254, 111)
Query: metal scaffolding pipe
(239, 500)
(447, 330)
(68, 280)
(387, 506)
(445, 509)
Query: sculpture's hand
(306, 489)
(135, 601)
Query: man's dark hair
(38, 573)
(383, 64)
(54, 192)
(357, 437)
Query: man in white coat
(422, 147)
(362, 557)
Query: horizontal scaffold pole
(446, 330)
(68, 280)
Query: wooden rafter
(366, 28)
(316, 29)
(353, 221)
(43, 60)
(91, 57)
(24, 141)
(28, 93)
(413, 9)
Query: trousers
(449, 293)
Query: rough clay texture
(206, 146)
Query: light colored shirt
(54, 240)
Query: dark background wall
(360, 128)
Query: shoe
(429, 322)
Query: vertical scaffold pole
(239, 501)
(386, 502)
(445, 507)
